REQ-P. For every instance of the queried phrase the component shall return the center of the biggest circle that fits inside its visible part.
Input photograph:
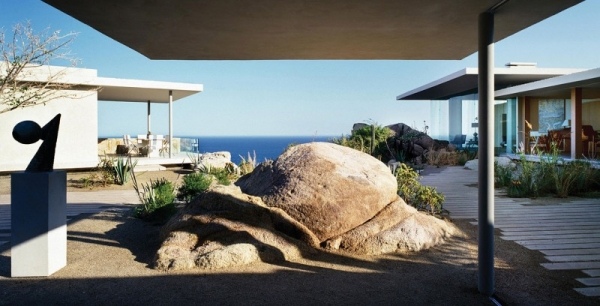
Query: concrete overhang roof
(130, 90)
(557, 87)
(304, 29)
(465, 82)
(109, 89)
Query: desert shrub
(193, 185)
(222, 175)
(415, 194)
(571, 178)
(102, 175)
(361, 140)
(502, 175)
(121, 169)
(156, 199)
(551, 175)
(247, 165)
(442, 158)
(463, 158)
(524, 183)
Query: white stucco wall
(77, 136)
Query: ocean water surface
(265, 147)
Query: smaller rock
(215, 160)
(501, 160)
(397, 228)
(226, 228)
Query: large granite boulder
(396, 228)
(329, 188)
(225, 228)
(317, 195)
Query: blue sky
(297, 97)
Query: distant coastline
(265, 147)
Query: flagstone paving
(566, 231)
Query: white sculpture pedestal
(38, 223)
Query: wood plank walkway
(566, 231)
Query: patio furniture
(143, 145)
(459, 140)
(588, 136)
(154, 144)
(164, 149)
(130, 145)
(538, 142)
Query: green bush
(362, 139)
(415, 194)
(222, 175)
(551, 175)
(503, 175)
(156, 200)
(571, 178)
(193, 185)
(121, 170)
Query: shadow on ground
(119, 252)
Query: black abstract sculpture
(28, 132)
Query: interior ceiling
(303, 29)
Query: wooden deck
(566, 231)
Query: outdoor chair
(142, 143)
(164, 149)
(154, 145)
(459, 140)
(130, 145)
(588, 137)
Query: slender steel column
(577, 148)
(148, 121)
(170, 123)
(486, 154)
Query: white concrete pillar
(38, 223)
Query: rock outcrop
(409, 142)
(225, 228)
(397, 228)
(316, 195)
(329, 188)
(220, 159)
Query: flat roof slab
(465, 82)
(304, 29)
(558, 87)
(130, 90)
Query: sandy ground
(75, 180)
(110, 258)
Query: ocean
(266, 147)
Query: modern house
(565, 108)
(382, 29)
(77, 143)
(454, 106)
